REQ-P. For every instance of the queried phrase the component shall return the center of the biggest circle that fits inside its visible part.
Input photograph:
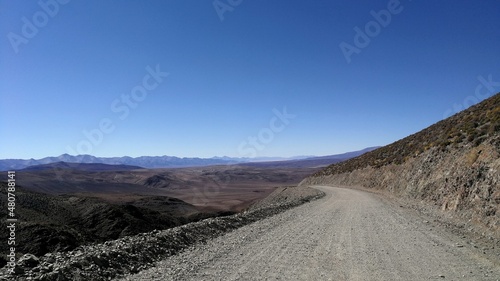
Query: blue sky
(254, 78)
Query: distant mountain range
(143, 161)
(311, 162)
(89, 167)
(163, 161)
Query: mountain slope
(57, 223)
(453, 164)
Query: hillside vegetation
(453, 164)
(468, 128)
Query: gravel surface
(135, 253)
(347, 235)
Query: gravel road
(346, 235)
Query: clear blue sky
(67, 67)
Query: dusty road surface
(347, 235)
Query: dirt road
(347, 235)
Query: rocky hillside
(131, 254)
(453, 164)
(59, 223)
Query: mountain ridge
(152, 161)
(469, 127)
(90, 167)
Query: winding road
(347, 235)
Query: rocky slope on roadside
(134, 253)
(453, 165)
(50, 223)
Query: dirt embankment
(463, 183)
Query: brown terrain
(220, 188)
(64, 205)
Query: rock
(50, 258)
(28, 261)
(19, 270)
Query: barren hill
(453, 164)
(58, 223)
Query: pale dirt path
(347, 235)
